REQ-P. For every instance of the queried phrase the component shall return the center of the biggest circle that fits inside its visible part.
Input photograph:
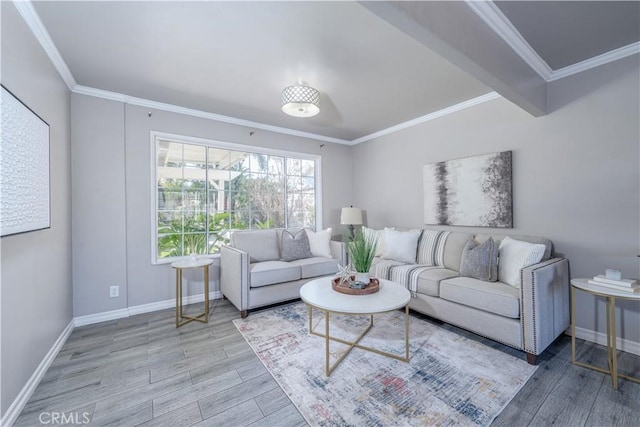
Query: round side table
(611, 295)
(186, 264)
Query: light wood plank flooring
(143, 371)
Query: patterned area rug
(450, 380)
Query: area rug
(450, 380)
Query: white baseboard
(23, 397)
(171, 303)
(140, 309)
(601, 338)
(90, 319)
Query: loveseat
(263, 267)
(527, 313)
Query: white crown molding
(18, 404)
(436, 114)
(30, 16)
(500, 24)
(605, 58)
(486, 10)
(114, 96)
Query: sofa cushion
(453, 249)
(514, 256)
(548, 245)
(431, 247)
(480, 261)
(271, 272)
(316, 266)
(401, 245)
(429, 280)
(319, 242)
(493, 297)
(294, 246)
(380, 267)
(378, 235)
(262, 245)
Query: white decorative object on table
(344, 274)
(363, 277)
(613, 274)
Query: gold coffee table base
(355, 344)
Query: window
(206, 189)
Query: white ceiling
(234, 58)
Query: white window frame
(210, 143)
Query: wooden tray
(372, 287)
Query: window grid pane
(206, 192)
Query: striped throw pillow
(431, 247)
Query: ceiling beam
(455, 32)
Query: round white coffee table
(318, 294)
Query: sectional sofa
(528, 313)
(526, 308)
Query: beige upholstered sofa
(253, 275)
(528, 314)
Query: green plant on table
(362, 249)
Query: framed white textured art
(474, 191)
(24, 168)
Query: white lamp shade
(300, 100)
(351, 216)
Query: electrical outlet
(114, 291)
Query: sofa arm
(544, 303)
(234, 277)
(339, 251)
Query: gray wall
(36, 266)
(112, 196)
(98, 203)
(575, 173)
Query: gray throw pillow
(480, 261)
(294, 246)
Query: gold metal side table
(612, 356)
(186, 264)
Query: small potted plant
(362, 249)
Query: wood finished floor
(143, 371)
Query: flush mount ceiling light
(300, 100)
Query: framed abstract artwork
(474, 191)
(24, 168)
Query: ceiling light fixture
(300, 100)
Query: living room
(574, 136)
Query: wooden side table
(180, 266)
(611, 295)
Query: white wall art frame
(474, 191)
(24, 168)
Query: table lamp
(351, 216)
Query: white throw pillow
(319, 242)
(379, 235)
(514, 256)
(401, 245)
